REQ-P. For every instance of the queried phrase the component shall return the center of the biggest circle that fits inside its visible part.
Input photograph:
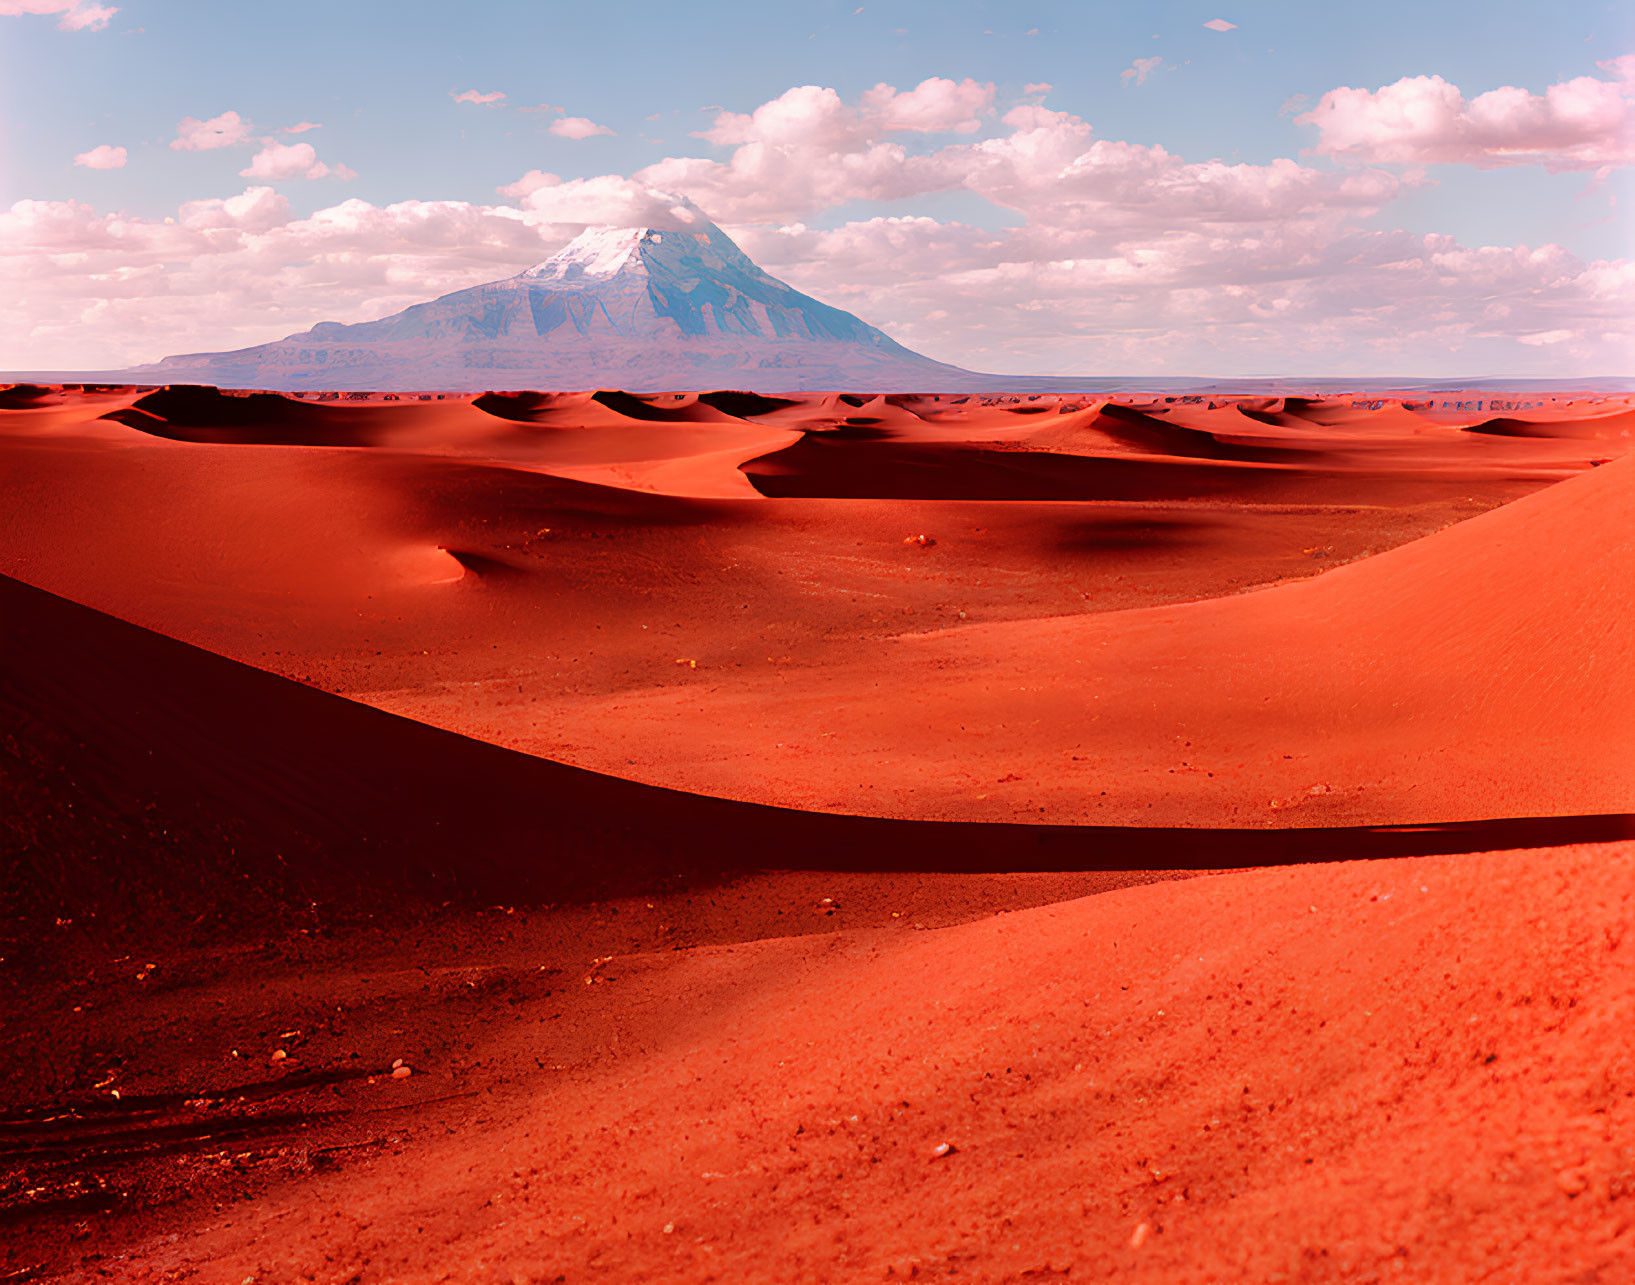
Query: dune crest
(728, 593)
(1415, 686)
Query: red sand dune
(1418, 685)
(798, 652)
(314, 797)
(1271, 1072)
(699, 1037)
(1205, 1081)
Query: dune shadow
(198, 413)
(742, 405)
(24, 396)
(152, 780)
(865, 466)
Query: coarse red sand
(1183, 1082)
(671, 1017)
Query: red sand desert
(827, 837)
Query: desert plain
(587, 836)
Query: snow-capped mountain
(639, 308)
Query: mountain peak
(595, 252)
(667, 303)
(606, 251)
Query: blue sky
(379, 80)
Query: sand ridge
(791, 837)
(491, 581)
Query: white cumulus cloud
(577, 127)
(528, 184)
(934, 106)
(1584, 123)
(291, 160)
(195, 135)
(75, 15)
(256, 209)
(102, 157)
